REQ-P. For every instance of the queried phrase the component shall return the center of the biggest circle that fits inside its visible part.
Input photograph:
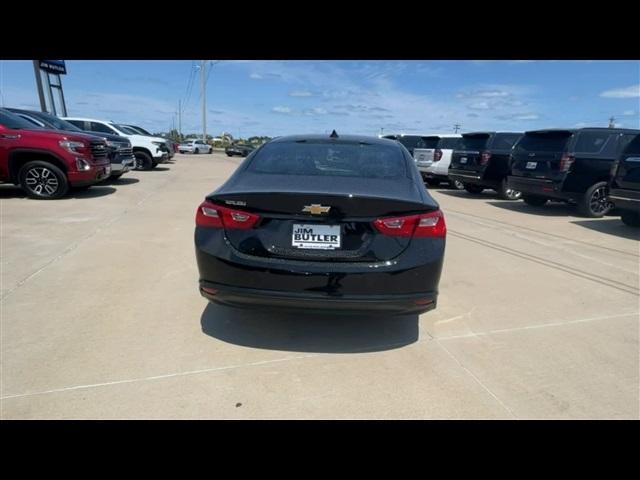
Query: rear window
(413, 141)
(429, 142)
(543, 142)
(591, 142)
(329, 159)
(634, 146)
(11, 120)
(504, 141)
(451, 143)
(475, 142)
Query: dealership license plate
(531, 165)
(463, 159)
(317, 237)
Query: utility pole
(204, 102)
(179, 120)
(612, 122)
(456, 127)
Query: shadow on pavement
(121, 181)
(94, 191)
(612, 226)
(308, 332)
(550, 209)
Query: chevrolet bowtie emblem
(315, 209)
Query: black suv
(568, 165)
(624, 189)
(239, 149)
(483, 161)
(119, 148)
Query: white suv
(434, 158)
(148, 151)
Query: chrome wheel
(458, 185)
(512, 194)
(598, 203)
(42, 181)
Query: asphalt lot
(538, 318)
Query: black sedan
(238, 149)
(340, 224)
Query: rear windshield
(413, 141)
(475, 142)
(504, 141)
(451, 143)
(543, 142)
(430, 142)
(11, 120)
(329, 159)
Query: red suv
(46, 163)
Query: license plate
(316, 237)
(531, 165)
(463, 159)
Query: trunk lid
(301, 205)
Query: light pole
(204, 102)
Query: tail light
(437, 155)
(430, 224)
(216, 216)
(484, 158)
(566, 161)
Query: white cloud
(629, 113)
(300, 93)
(281, 109)
(256, 76)
(527, 116)
(479, 106)
(632, 91)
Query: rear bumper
(345, 304)
(539, 187)
(386, 285)
(625, 199)
(471, 177)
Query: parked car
(572, 165)
(239, 149)
(46, 163)
(148, 151)
(195, 146)
(410, 142)
(330, 223)
(483, 160)
(434, 159)
(119, 149)
(624, 189)
(139, 130)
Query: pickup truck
(47, 163)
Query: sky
(247, 98)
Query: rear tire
(43, 181)
(631, 219)
(534, 201)
(594, 203)
(506, 193)
(143, 161)
(473, 189)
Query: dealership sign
(53, 66)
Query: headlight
(159, 144)
(72, 146)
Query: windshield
(11, 120)
(125, 129)
(55, 122)
(139, 129)
(330, 159)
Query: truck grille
(98, 149)
(125, 152)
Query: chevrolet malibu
(334, 223)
